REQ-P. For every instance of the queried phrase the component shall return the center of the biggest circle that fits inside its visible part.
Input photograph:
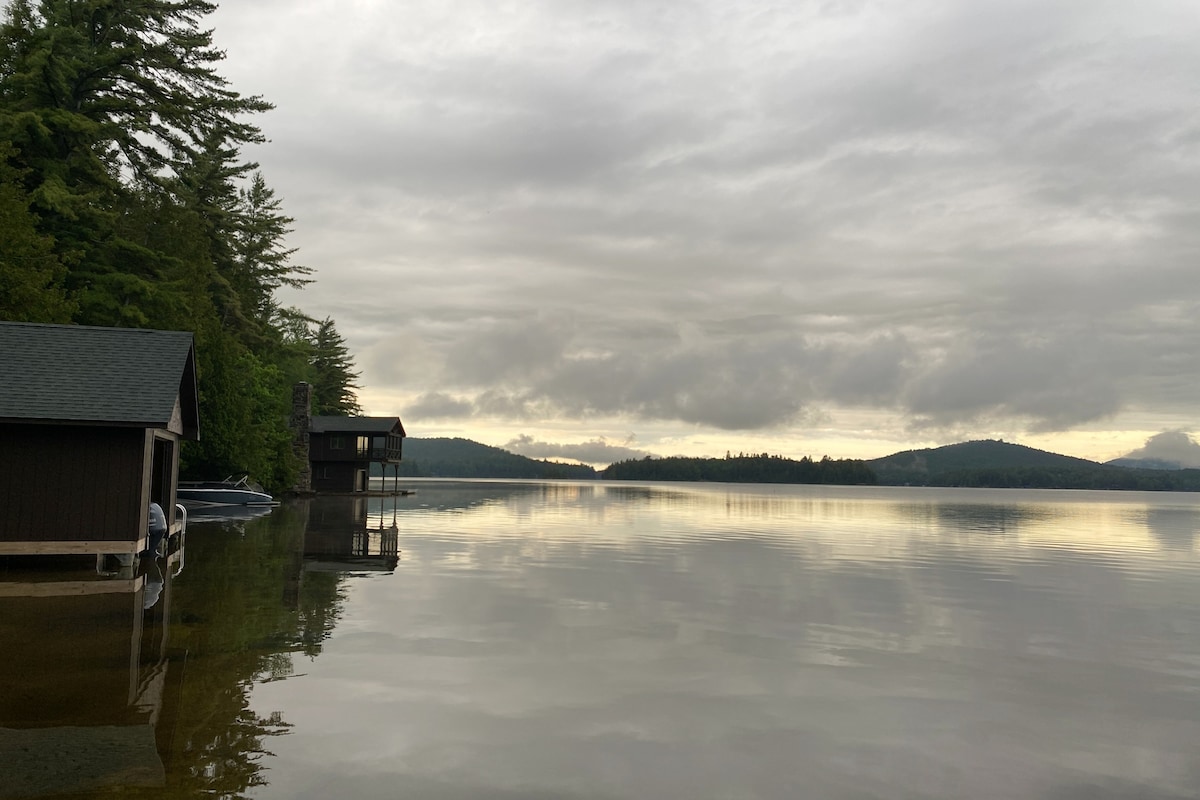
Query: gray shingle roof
(111, 376)
(363, 425)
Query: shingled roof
(106, 376)
(363, 425)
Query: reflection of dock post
(389, 543)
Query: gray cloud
(1171, 446)
(735, 218)
(597, 451)
(438, 405)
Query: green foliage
(244, 406)
(32, 287)
(124, 201)
(333, 375)
(742, 468)
(104, 99)
(261, 264)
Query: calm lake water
(594, 641)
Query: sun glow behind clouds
(844, 434)
(815, 228)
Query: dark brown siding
(72, 483)
(334, 476)
(320, 450)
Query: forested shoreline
(762, 468)
(126, 201)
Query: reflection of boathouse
(351, 534)
(86, 688)
(90, 424)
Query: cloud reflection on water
(592, 641)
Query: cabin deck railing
(381, 453)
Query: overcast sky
(613, 227)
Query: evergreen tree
(104, 99)
(31, 275)
(261, 262)
(125, 200)
(334, 377)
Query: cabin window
(364, 446)
(336, 442)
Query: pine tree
(106, 100)
(31, 276)
(333, 373)
(261, 262)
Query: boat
(229, 492)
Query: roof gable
(109, 376)
(357, 425)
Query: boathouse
(90, 425)
(338, 454)
(342, 450)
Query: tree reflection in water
(80, 669)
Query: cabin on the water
(340, 452)
(90, 425)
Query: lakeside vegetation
(743, 468)
(125, 201)
(981, 464)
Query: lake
(596, 641)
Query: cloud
(597, 451)
(438, 405)
(1171, 446)
(736, 218)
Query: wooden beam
(72, 547)
(71, 588)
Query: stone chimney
(300, 423)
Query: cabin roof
(362, 425)
(108, 376)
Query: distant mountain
(1175, 449)
(463, 458)
(996, 464)
(983, 454)
(986, 463)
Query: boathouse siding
(90, 425)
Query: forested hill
(463, 458)
(999, 464)
(988, 453)
(979, 464)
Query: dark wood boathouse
(90, 425)
(342, 450)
